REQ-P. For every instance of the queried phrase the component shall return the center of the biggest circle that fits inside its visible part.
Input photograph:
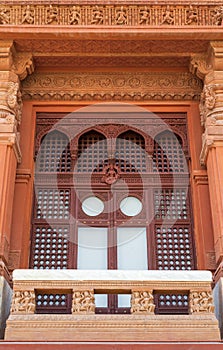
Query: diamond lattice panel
(54, 153)
(50, 247)
(173, 247)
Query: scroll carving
(201, 302)
(23, 64)
(83, 302)
(142, 302)
(23, 302)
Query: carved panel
(142, 302)
(23, 302)
(83, 302)
(201, 302)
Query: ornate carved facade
(103, 104)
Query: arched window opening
(130, 152)
(168, 156)
(92, 152)
(54, 154)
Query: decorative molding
(105, 14)
(112, 86)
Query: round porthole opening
(92, 206)
(131, 206)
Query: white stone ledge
(112, 275)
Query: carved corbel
(23, 64)
(199, 65)
(207, 102)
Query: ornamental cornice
(42, 13)
(112, 86)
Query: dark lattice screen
(50, 247)
(54, 153)
(170, 303)
(174, 247)
(171, 204)
(130, 152)
(92, 152)
(168, 154)
(53, 303)
(52, 203)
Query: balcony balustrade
(165, 306)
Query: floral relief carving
(83, 302)
(142, 302)
(201, 302)
(23, 302)
(109, 86)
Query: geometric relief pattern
(171, 204)
(173, 247)
(50, 247)
(53, 203)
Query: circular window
(131, 206)
(92, 206)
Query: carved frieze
(153, 14)
(112, 86)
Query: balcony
(155, 314)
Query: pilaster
(209, 67)
(13, 67)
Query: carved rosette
(83, 302)
(142, 302)
(23, 302)
(201, 302)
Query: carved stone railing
(82, 324)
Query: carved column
(13, 67)
(209, 67)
